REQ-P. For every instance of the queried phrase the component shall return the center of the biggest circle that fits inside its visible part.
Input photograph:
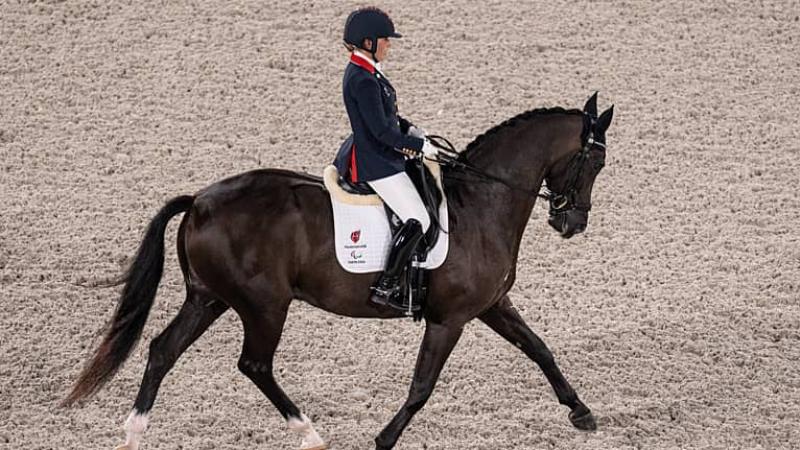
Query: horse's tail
(141, 282)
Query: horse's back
(255, 186)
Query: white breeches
(399, 193)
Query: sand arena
(675, 315)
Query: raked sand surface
(676, 315)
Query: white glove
(416, 132)
(429, 150)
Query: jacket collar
(364, 61)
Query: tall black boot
(387, 289)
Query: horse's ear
(605, 119)
(590, 107)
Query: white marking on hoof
(135, 426)
(304, 427)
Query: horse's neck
(502, 211)
(507, 156)
(507, 213)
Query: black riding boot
(387, 289)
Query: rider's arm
(370, 106)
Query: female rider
(381, 141)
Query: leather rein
(448, 156)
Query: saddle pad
(361, 230)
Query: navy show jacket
(378, 132)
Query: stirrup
(393, 298)
(383, 296)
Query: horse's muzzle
(569, 223)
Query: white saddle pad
(362, 232)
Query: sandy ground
(675, 316)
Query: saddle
(364, 226)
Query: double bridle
(567, 200)
(560, 202)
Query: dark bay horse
(256, 241)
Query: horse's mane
(514, 121)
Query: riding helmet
(368, 23)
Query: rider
(381, 141)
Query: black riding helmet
(368, 23)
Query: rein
(449, 157)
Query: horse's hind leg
(504, 319)
(196, 315)
(262, 333)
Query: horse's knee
(252, 367)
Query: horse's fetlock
(572, 401)
(136, 423)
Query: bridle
(560, 202)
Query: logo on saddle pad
(356, 253)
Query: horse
(258, 240)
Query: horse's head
(572, 176)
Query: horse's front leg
(506, 321)
(437, 344)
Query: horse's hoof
(315, 447)
(582, 419)
(124, 447)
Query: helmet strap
(374, 48)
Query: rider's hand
(429, 150)
(410, 152)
